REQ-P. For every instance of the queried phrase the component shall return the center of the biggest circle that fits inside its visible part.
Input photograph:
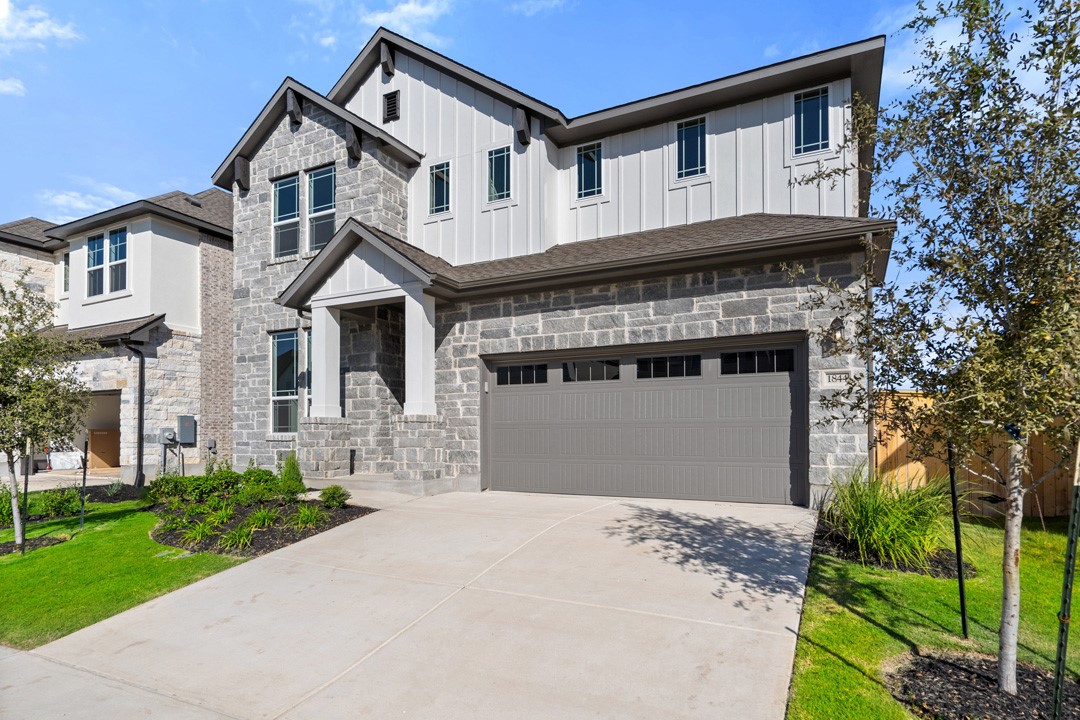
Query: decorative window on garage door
(749, 362)
(669, 366)
(590, 370)
(521, 375)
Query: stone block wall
(372, 190)
(720, 303)
(373, 365)
(323, 446)
(14, 260)
(216, 381)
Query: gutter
(140, 477)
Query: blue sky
(105, 102)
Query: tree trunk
(15, 510)
(1010, 570)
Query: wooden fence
(893, 455)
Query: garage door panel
(717, 435)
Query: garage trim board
(724, 420)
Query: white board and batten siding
(365, 270)
(750, 168)
(448, 120)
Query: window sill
(490, 205)
(439, 217)
(281, 437)
(106, 297)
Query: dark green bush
(308, 516)
(899, 525)
(236, 539)
(166, 487)
(61, 501)
(259, 476)
(291, 482)
(253, 495)
(334, 496)
(7, 517)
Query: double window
(499, 174)
(690, 148)
(590, 181)
(811, 121)
(284, 381)
(750, 362)
(439, 195)
(105, 261)
(321, 204)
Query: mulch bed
(262, 541)
(829, 542)
(121, 493)
(964, 687)
(7, 548)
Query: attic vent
(193, 201)
(391, 107)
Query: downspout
(871, 446)
(140, 477)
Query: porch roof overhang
(727, 242)
(135, 331)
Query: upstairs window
(118, 260)
(321, 190)
(811, 121)
(95, 265)
(691, 148)
(498, 174)
(589, 180)
(287, 216)
(67, 272)
(284, 381)
(439, 196)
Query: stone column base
(322, 446)
(420, 454)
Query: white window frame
(277, 396)
(827, 149)
(110, 263)
(432, 169)
(65, 272)
(702, 171)
(508, 151)
(99, 267)
(279, 224)
(312, 214)
(599, 192)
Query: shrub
(220, 516)
(6, 515)
(173, 522)
(61, 501)
(113, 488)
(902, 526)
(167, 486)
(334, 496)
(253, 495)
(259, 476)
(291, 482)
(197, 532)
(192, 510)
(236, 539)
(263, 518)
(175, 505)
(308, 516)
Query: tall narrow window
(691, 148)
(284, 389)
(321, 190)
(95, 265)
(287, 216)
(67, 272)
(498, 174)
(440, 188)
(589, 179)
(811, 121)
(117, 259)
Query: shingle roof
(29, 232)
(213, 206)
(111, 332)
(647, 247)
(209, 210)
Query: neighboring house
(152, 278)
(441, 282)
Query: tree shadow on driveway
(754, 564)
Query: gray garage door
(722, 424)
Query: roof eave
(131, 210)
(30, 243)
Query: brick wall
(216, 381)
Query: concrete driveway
(491, 605)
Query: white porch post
(419, 352)
(325, 362)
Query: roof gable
(30, 233)
(272, 113)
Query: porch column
(419, 352)
(325, 362)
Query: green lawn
(108, 567)
(858, 622)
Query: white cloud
(29, 28)
(771, 51)
(328, 41)
(412, 18)
(90, 197)
(12, 86)
(528, 8)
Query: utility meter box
(185, 434)
(167, 436)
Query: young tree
(41, 398)
(980, 166)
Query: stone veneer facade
(373, 191)
(14, 260)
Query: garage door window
(590, 370)
(521, 375)
(757, 361)
(669, 366)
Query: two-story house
(442, 282)
(151, 283)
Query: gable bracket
(521, 126)
(386, 58)
(293, 108)
(242, 172)
(354, 140)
